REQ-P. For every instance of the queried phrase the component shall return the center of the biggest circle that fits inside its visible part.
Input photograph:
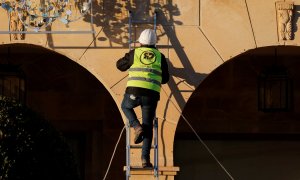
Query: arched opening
(74, 102)
(247, 112)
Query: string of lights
(35, 15)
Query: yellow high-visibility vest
(145, 72)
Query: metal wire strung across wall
(36, 15)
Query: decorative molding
(16, 24)
(284, 19)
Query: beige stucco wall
(196, 36)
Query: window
(274, 90)
(12, 83)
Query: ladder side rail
(155, 121)
(156, 148)
(154, 23)
(129, 29)
(127, 150)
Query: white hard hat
(148, 37)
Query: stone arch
(74, 101)
(225, 106)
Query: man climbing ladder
(148, 69)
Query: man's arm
(164, 69)
(125, 62)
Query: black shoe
(139, 135)
(146, 163)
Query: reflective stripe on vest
(145, 71)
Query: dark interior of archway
(75, 102)
(226, 105)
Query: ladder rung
(137, 168)
(139, 146)
(133, 41)
(141, 22)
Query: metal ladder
(155, 125)
(154, 146)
